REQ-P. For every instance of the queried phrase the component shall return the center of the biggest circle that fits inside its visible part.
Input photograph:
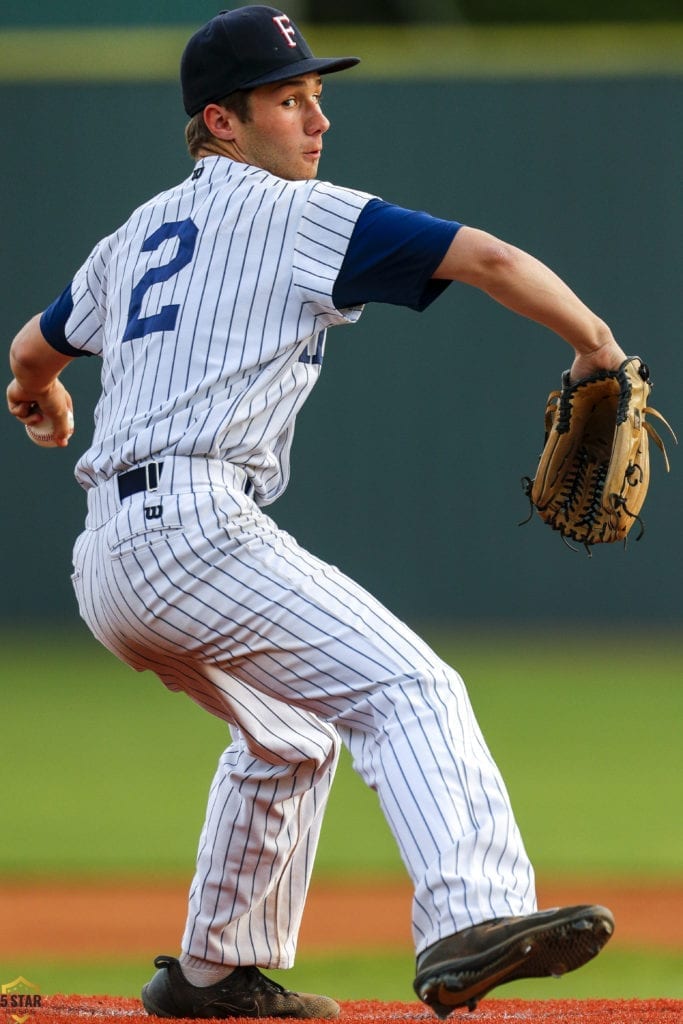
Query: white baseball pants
(194, 582)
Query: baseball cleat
(459, 970)
(244, 993)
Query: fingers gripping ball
(43, 433)
(594, 470)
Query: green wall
(408, 457)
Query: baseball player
(209, 309)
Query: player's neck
(219, 148)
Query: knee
(312, 746)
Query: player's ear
(220, 121)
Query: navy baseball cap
(245, 48)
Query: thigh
(229, 590)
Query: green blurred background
(556, 126)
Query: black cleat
(244, 993)
(460, 969)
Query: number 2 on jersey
(186, 232)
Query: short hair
(198, 136)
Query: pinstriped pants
(197, 584)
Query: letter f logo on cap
(286, 27)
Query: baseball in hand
(43, 433)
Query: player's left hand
(609, 356)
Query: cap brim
(323, 65)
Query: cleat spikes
(459, 970)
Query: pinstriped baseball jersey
(212, 364)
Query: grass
(586, 730)
(109, 772)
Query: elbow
(29, 354)
(475, 257)
(22, 354)
(495, 263)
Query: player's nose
(317, 122)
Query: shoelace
(259, 982)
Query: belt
(144, 478)
(147, 477)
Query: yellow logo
(18, 997)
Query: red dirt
(74, 1009)
(91, 919)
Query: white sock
(201, 973)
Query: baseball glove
(594, 470)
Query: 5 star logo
(19, 997)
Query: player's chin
(302, 175)
(303, 169)
(309, 164)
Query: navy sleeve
(391, 257)
(53, 324)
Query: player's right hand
(54, 402)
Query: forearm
(526, 286)
(36, 390)
(34, 363)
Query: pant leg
(258, 843)
(227, 599)
(446, 804)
